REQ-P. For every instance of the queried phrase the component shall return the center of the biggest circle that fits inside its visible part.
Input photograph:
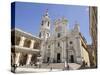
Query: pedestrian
(51, 69)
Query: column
(32, 44)
(64, 51)
(62, 55)
(22, 41)
(17, 58)
(28, 59)
(52, 52)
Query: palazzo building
(25, 48)
(52, 46)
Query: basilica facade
(61, 44)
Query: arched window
(42, 23)
(48, 46)
(47, 34)
(48, 23)
(36, 45)
(17, 40)
(27, 43)
(58, 35)
(58, 44)
(71, 42)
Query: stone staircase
(53, 65)
(72, 66)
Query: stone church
(62, 44)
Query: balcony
(25, 49)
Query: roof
(25, 34)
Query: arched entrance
(34, 59)
(58, 58)
(23, 59)
(72, 59)
(48, 59)
(71, 56)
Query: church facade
(62, 44)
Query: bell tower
(60, 26)
(45, 26)
(44, 33)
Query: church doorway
(48, 59)
(72, 58)
(58, 57)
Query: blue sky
(28, 16)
